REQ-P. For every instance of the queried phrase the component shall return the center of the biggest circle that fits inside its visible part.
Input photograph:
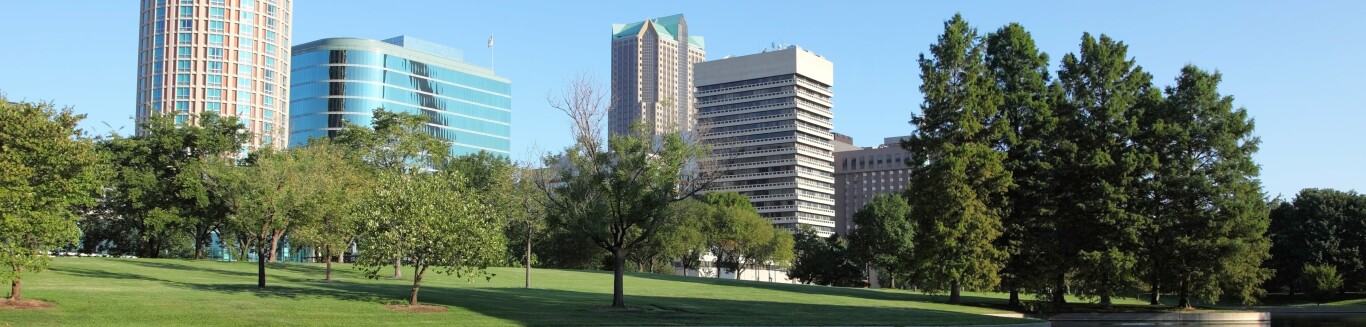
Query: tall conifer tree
(1101, 171)
(958, 180)
(1021, 74)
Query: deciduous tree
(48, 167)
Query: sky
(1297, 66)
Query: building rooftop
(666, 26)
(426, 46)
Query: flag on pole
(490, 41)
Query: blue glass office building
(340, 80)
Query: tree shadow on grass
(167, 264)
(861, 293)
(560, 307)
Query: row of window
(317, 107)
(401, 80)
(403, 65)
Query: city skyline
(1304, 112)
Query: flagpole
(490, 52)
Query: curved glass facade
(344, 80)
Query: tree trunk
(398, 267)
(15, 293)
(327, 256)
(1105, 301)
(618, 296)
(1059, 289)
(1184, 301)
(261, 266)
(1015, 297)
(275, 244)
(892, 278)
(527, 278)
(198, 249)
(417, 282)
(1156, 299)
(955, 292)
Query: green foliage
(958, 178)
(681, 238)
(738, 236)
(160, 200)
(824, 261)
(1208, 220)
(436, 221)
(618, 196)
(1321, 281)
(1100, 171)
(327, 217)
(48, 170)
(1319, 227)
(885, 235)
(1021, 75)
(395, 141)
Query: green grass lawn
(96, 291)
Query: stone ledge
(1164, 316)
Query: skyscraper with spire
(652, 75)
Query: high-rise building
(229, 57)
(861, 173)
(767, 119)
(652, 75)
(340, 80)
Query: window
(244, 83)
(270, 36)
(248, 4)
(268, 74)
(216, 39)
(182, 93)
(270, 49)
(267, 114)
(182, 79)
(156, 67)
(244, 96)
(246, 30)
(247, 18)
(182, 106)
(217, 26)
(214, 80)
(244, 70)
(213, 106)
(186, 12)
(270, 63)
(266, 88)
(244, 43)
(270, 9)
(181, 119)
(218, 13)
(185, 38)
(268, 102)
(213, 94)
(215, 53)
(270, 22)
(215, 66)
(182, 52)
(161, 26)
(186, 2)
(243, 110)
(182, 65)
(185, 25)
(218, 2)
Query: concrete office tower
(230, 57)
(767, 119)
(861, 173)
(340, 80)
(652, 75)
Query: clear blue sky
(1297, 66)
